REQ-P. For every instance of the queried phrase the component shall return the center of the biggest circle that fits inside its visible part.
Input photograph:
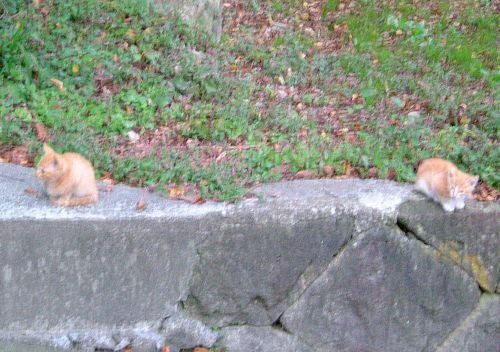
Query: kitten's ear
(47, 149)
(472, 181)
(54, 163)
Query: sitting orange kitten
(443, 182)
(68, 178)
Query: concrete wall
(330, 265)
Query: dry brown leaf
(140, 205)
(373, 172)
(391, 174)
(109, 181)
(31, 190)
(59, 84)
(101, 38)
(347, 168)
(328, 170)
(131, 33)
(41, 132)
(176, 192)
(305, 174)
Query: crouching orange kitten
(68, 178)
(443, 182)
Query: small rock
(63, 342)
(133, 136)
(281, 94)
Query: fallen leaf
(165, 349)
(399, 32)
(355, 96)
(463, 120)
(75, 69)
(328, 170)
(221, 156)
(347, 168)
(131, 33)
(133, 136)
(140, 205)
(31, 190)
(101, 38)
(373, 172)
(59, 84)
(304, 174)
(176, 192)
(108, 181)
(391, 174)
(41, 132)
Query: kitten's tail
(85, 200)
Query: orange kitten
(443, 182)
(68, 178)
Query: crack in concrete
(335, 257)
(406, 230)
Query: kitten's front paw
(60, 202)
(449, 207)
(460, 204)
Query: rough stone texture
(182, 332)
(325, 258)
(250, 271)
(262, 339)
(383, 293)
(480, 331)
(205, 13)
(469, 237)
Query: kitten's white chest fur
(448, 204)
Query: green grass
(212, 116)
